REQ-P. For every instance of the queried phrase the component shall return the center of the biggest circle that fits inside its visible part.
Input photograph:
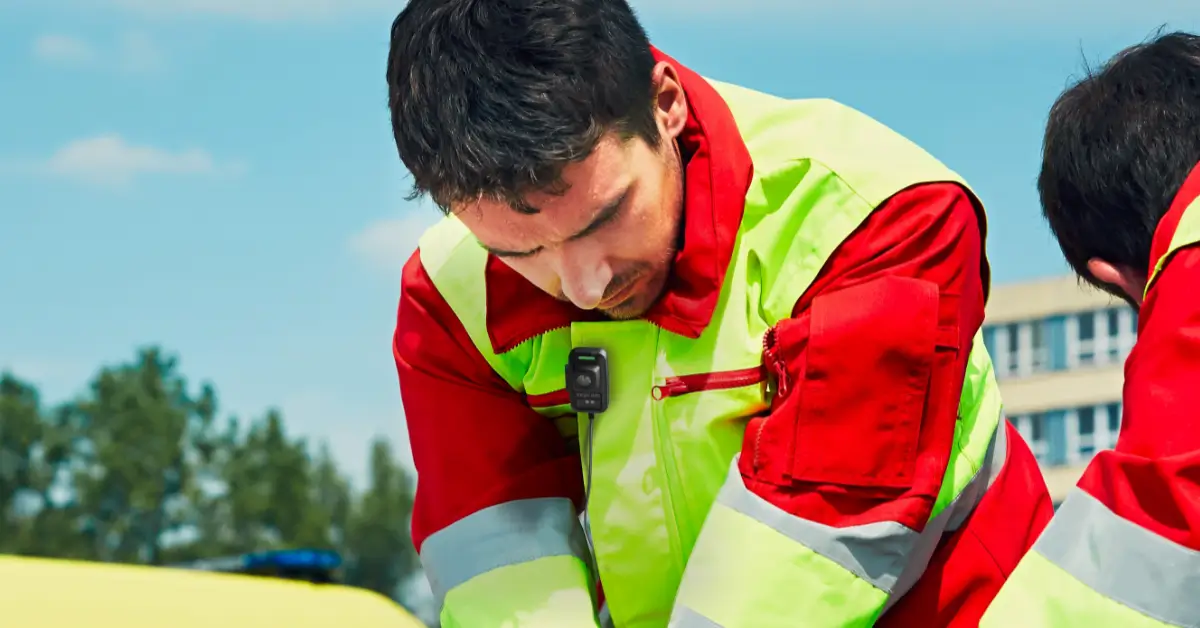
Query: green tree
(139, 436)
(21, 431)
(378, 550)
(37, 514)
(137, 469)
(333, 496)
(268, 491)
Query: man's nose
(584, 281)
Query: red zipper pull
(774, 363)
(672, 386)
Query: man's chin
(628, 310)
(637, 304)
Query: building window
(1014, 348)
(1040, 358)
(1113, 315)
(989, 341)
(1055, 333)
(1114, 423)
(1087, 338)
(1086, 418)
(1032, 427)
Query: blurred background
(202, 224)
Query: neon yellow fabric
(544, 593)
(1038, 594)
(39, 593)
(979, 412)
(820, 168)
(821, 594)
(646, 513)
(1187, 233)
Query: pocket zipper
(685, 384)
(773, 362)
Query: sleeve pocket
(862, 397)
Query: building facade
(1059, 351)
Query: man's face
(607, 242)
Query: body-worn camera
(587, 379)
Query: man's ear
(670, 102)
(1127, 280)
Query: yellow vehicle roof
(41, 593)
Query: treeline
(142, 467)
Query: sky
(217, 177)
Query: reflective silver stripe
(1123, 561)
(954, 516)
(684, 617)
(887, 554)
(508, 534)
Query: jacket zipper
(773, 362)
(721, 380)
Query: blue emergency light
(290, 559)
(293, 559)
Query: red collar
(716, 177)
(1165, 231)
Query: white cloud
(133, 53)
(64, 50)
(111, 160)
(387, 244)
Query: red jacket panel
(1152, 476)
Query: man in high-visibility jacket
(1120, 187)
(804, 428)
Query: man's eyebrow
(602, 217)
(509, 254)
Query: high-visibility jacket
(1123, 550)
(678, 536)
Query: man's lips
(620, 296)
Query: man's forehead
(580, 192)
(540, 211)
(544, 216)
(508, 233)
(592, 181)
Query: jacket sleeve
(1124, 547)
(822, 521)
(499, 491)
